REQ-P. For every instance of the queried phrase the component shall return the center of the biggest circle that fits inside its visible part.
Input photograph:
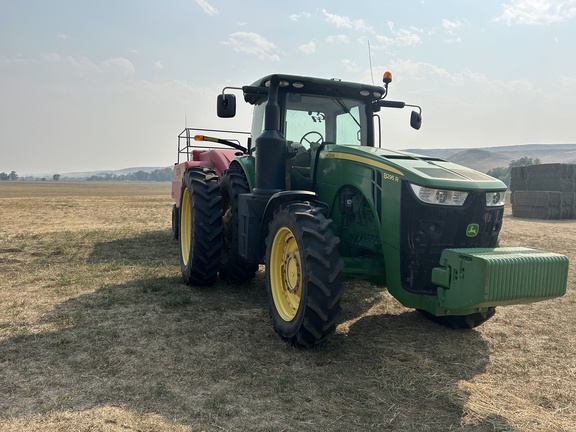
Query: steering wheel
(307, 141)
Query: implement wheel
(234, 268)
(303, 269)
(200, 226)
(461, 321)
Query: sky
(109, 84)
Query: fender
(282, 198)
(246, 164)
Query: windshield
(317, 119)
(324, 119)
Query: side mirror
(226, 105)
(415, 120)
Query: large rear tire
(461, 321)
(234, 268)
(200, 226)
(303, 269)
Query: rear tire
(461, 321)
(200, 226)
(234, 268)
(303, 269)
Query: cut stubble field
(98, 333)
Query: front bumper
(482, 277)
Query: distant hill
(484, 159)
(124, 171)
(80, 175)
(481, 159)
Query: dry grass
(97, 333)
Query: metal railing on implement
(193, 138)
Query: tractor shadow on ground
(209, 358)
(149, 248)
(412, 367)
(419, 366)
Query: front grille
(426, 230)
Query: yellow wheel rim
(286, 274)
(185, 226)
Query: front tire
(234, 268)
(200, 226)
(303, 269)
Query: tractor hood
(421, 170)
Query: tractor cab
(338, 112)
(314, 113)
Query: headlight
(495, 199)
(439, 196)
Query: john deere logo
(472, 230)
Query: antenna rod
(370, 60)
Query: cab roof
(311, 85)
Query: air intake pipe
(271, 148)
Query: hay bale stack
(545, 191)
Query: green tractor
(316, 200)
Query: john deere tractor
(312, 196)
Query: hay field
(97, 333)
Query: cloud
(14, 60)
(400, 37)
(158, 65)
(85, 65)
(537, 12)
(350, 65)
(63, 36)
(79, 64)
(567, 84)
(252, 43)
(207, 7)
(347, 23)
(119, 63)
(52, 57)
(426, 70)
(309, 48)
(465, 78)
(296, 17)
(451, 27)
(338, 38)
(397, 37)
